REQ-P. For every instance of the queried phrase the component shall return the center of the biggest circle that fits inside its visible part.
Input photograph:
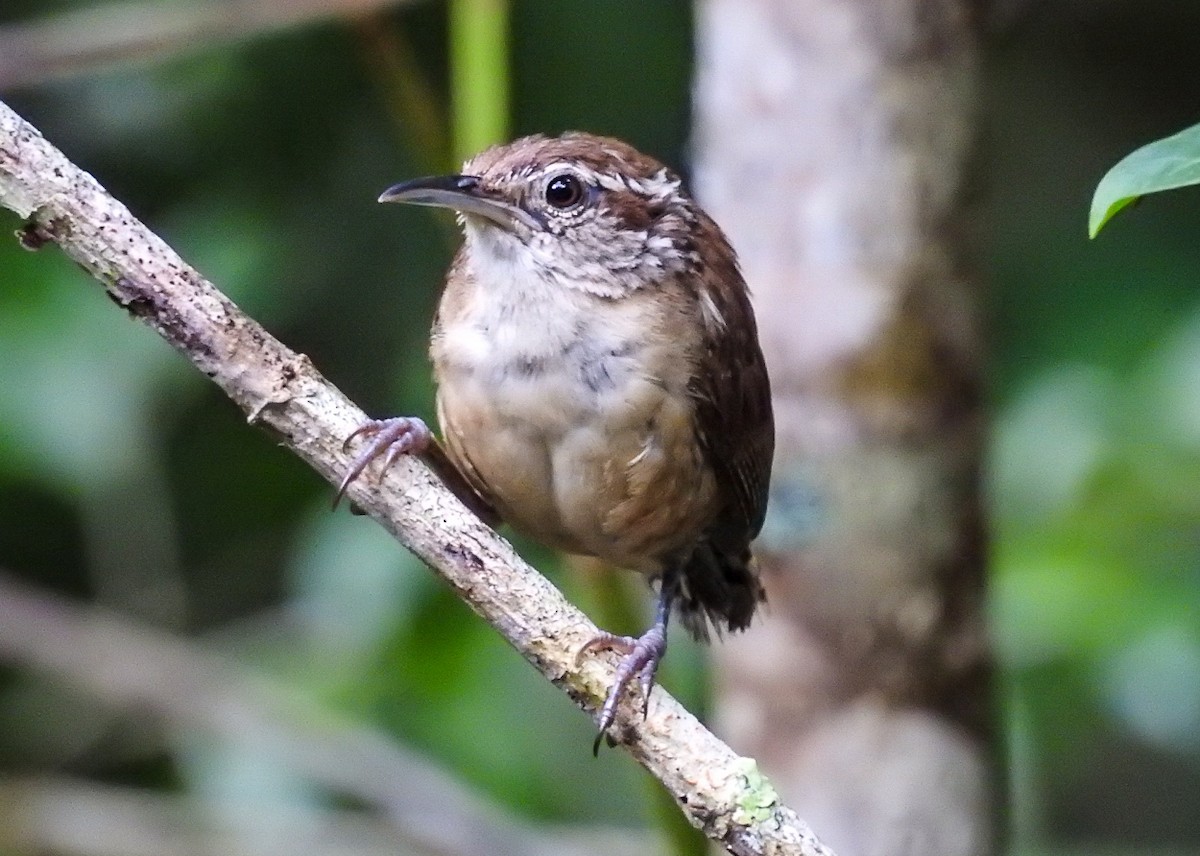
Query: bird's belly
(607, 467)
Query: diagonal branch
(720, 793)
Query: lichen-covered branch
(280, 390)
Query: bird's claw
(400, 435)
(641, 656)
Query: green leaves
(1162, 165)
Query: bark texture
(832, 141)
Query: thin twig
(82, 40)
(721, 793)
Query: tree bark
(832, 143)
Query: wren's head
(587, 212)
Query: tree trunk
(832, 140)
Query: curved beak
(464, 193)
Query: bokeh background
(128, 484)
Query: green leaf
(1162, 165)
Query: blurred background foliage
(127, 482)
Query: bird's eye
(564, 191)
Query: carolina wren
(600, 385)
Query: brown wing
(735, 424)
(735, 429)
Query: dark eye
(564, 191)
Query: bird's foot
(642, 655)
(400, 435)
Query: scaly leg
(408, 435)
(642, 655)
(397, 436)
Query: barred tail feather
(718, 589)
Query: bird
(600, 383)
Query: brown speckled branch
(279, 390)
